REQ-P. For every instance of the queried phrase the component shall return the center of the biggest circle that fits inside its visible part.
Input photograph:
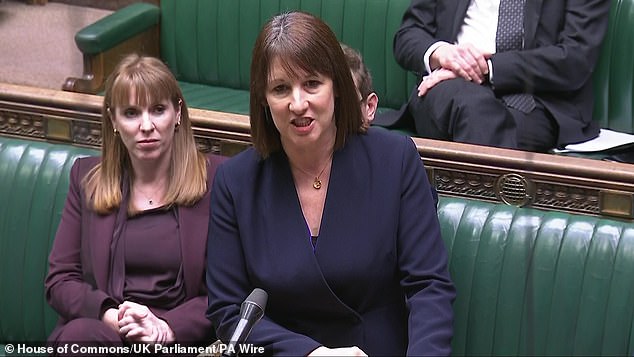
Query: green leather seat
(33, 187)
(533, 282)
(208, 44)
(614, 75)
(529, 282)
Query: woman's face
(146, 131)
(302, 108)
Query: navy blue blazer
(377, 277)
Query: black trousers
(463, 111)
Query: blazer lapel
(99, 238)
(193, 224)
(458, 19)
(532, 13)
(296, 250)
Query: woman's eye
(313, 83)
(279, 89)
(130, 112)
(159, 109)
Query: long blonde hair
(151, 81)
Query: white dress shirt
(478, 28)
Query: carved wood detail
(22, 124)
(542, 181)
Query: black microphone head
(251, 311)
(257, 297)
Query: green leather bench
(33, 186)
(207, 44)
(529, 282)
(536, 283)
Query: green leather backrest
(532, 282)
(614, 75)
(210, 41)
(33, 187)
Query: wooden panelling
(512, 177)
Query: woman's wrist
(111, 318)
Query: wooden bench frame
(551, 182)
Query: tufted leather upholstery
(210, 42)
(532, 282)
(34, 182)
(614, 76)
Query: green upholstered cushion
(533, 282)
(33, 187)
(117, 27)
(613, 87)
(203, 96)
(210, 42)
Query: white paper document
(607, 139)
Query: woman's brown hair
(302, 42)
(151, 82)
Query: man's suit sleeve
(415, 35)
(567, 63)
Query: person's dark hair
(362, 76)
(303, 43)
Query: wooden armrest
(133, 29)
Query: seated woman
(336, 222)
(127, 264)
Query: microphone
(251, 311)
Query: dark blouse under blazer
(77, 282)
(378, 276)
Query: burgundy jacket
(77, 281)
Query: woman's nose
(146, 122)
(298, 101)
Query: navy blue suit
(377, 277)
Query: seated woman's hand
(111, 318)
(137, 323)
(342, 351)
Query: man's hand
(434, 78)
(138, 324)
(465, 61)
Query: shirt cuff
(431, 50)
(490, 65)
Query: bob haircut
(304, 44)
(150, 81)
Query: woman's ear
(179, 110)
(110, 115)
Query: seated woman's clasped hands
(137, 323)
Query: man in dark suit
(467, 73)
